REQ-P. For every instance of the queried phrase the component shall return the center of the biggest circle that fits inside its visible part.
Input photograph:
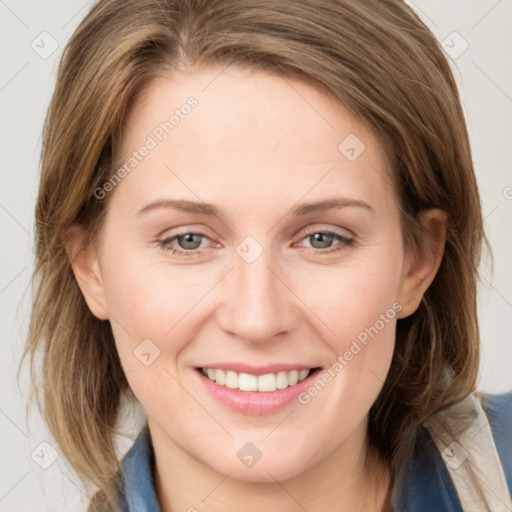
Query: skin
(255, 146)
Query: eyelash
(165, 243)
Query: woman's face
(294, 260)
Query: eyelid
(321, 228)
(183, 229)
(174, 236)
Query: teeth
(219, 376)
(281, 380)
(303, 374)
(247, 382)
(231, 379)
(267, 382)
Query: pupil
(323, 238)
(189, 242)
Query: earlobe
(423, 261)
(86, 269)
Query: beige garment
(471, 457)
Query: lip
(256, 402)
(257, 370)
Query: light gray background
(484, 74)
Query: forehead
(238, 104)
(249, 131)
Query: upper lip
(258, 370)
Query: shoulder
(498, 408)
(499, 411)
(425, 482)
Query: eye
(323, 241)
(187, 243)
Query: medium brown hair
(380, 61)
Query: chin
(264, 472)
(261, 461)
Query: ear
(84, 262)
(423, 260)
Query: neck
(350, 479)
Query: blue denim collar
(425, 484)
(137, 469)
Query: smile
(248, 382)
(252, 394)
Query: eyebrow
(298, 211)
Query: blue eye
(325, 240)
(190, 242)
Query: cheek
(152, 304)
(151, 313)
(350, 299)
(142, 289)
(358, 307)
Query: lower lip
(256, 402)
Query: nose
(258, 304)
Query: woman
(260, 221)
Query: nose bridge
(257, 305)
